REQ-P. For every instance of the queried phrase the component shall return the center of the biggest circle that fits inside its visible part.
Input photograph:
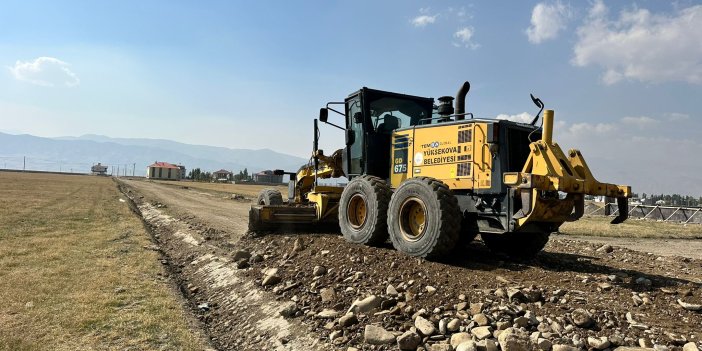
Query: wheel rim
(413, 219)
(357, 212)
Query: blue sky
(625, 78)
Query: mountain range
(77, 154)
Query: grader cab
(428, 176)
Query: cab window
(390, 113)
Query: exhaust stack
(460, 103)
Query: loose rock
(454, 325)
(366, 305)
(327, 313)
(424, 326)
(271, 277)
(482, 332)
(319, 271)
(689, 306)
(481, 319)
(348, 320)
(441, 347)
(582, 318)
(327, 294)
(375, 335)
(408, 341)
(241, 254)
(598, 343)
(288, 310)
(560, 347)
(513, 340)
(459, 338)
(469, 345)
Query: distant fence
(679, 214)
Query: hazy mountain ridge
(79, 153)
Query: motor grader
(429, 176)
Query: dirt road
(292, 292)
(220, 212)
(214, 208)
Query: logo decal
(418, 158)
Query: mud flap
(623, 207)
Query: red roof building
(165, 170)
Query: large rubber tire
(269, 197)
(373, 194)
(521, 246)
(439, 233)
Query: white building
(165, 170)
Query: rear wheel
(269, 197)
(423, 218)
(516, 245)
(362, 210)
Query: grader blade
(289, 219)
(271, 217)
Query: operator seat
(390, 123)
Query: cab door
(354, 148)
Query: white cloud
(593, 130)
(640, 45)
(547, 20)
(465, 38)
(423, 20)
(640, 122)
(45, 71)
(523, 117)
(674, 116)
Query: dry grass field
(248, 190)
(632, 228)
(76, 272)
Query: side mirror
(279, 172)
(323, 114)
(357, 117)
(350, 136)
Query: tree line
(670, 200)
(196, 174)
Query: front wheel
(269, 197)
(516, 245)
(362, 210)
(423, 218)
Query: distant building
(99, 169)
(182, 171)
(267, 177)
(221, 175)
(165, 170)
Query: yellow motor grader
(428, 176)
